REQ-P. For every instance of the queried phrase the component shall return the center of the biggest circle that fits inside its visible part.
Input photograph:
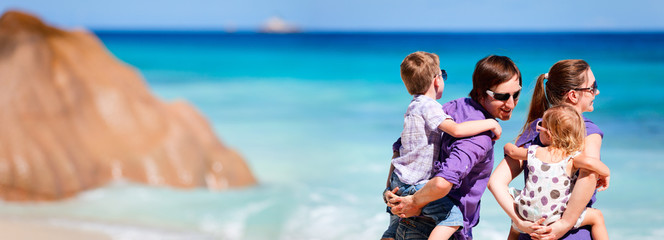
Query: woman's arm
(583, 191)
(591, 160)
(581, 195)
(505, 172)
(470, 128)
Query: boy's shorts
(443, 211)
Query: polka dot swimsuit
(547, 189)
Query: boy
(424, 123)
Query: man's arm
(465, 153)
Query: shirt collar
(479, 106)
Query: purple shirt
(530, 137)
(466, 163)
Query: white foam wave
(236, 227)
(128, 232)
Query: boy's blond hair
(566, 127)
(418, 70)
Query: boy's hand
(389, 195)
(497, 130)
(603, 183)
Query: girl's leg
(595, 219)
(442, 232)
(514, 234)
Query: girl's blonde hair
(566, 128)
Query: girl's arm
(505, 172)
(583, 191)
(592, 164)
(470, 128)
(517, 153)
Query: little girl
(552, 168)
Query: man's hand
(404, 207)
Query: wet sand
(20, 229)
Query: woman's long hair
(563, 76)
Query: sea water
(315, 116)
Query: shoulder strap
(573, 155)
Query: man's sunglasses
(443, 74)
(503, 96)
(593, 88)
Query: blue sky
(352, 15)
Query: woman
(568, 82)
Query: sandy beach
(19, 229)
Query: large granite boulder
(73, 117)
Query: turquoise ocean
(315, 116)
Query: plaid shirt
(420, 140)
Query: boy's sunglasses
(503, 96)
(593, 88)
(443, 74)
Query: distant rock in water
(73, 117)
(277, 25)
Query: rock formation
(277, 25)
(73, 117)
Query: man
(465, 164)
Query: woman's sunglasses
(592, 89)
(503, 96)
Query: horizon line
(222, 31)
